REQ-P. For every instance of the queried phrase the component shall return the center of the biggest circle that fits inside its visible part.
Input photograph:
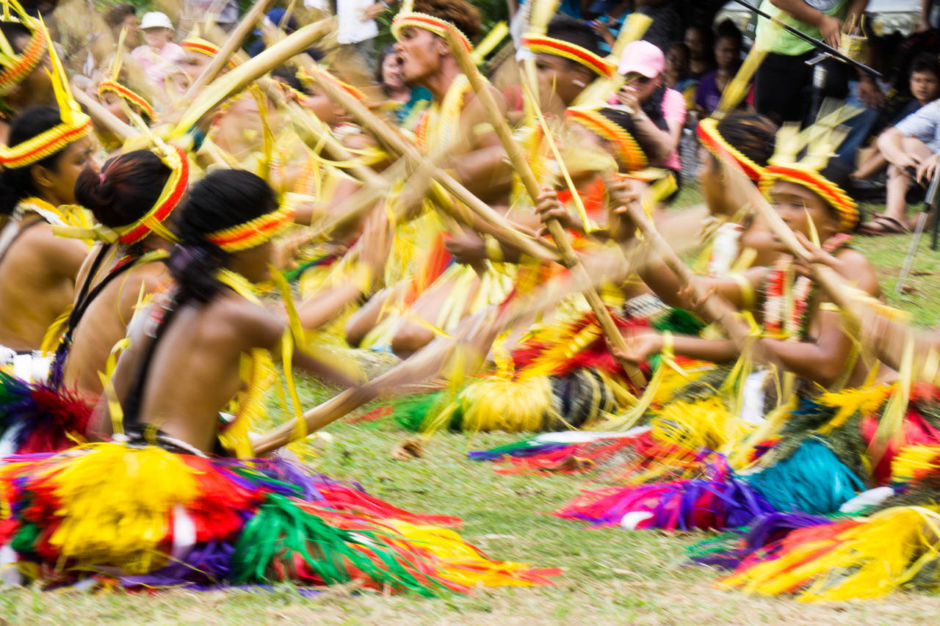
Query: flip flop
(883, 225)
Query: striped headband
(630, 154)
(131, 97)
(708, 134)
(255, 232)
(570, 51)
(807, 177)
(427, 22)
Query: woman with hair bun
(130, 198)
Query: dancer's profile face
(803, 210)
(559, 78)
(112, 102)
(193, 64)
(420, 52)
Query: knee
(356, 328)
(409, 338)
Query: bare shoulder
(858, 270)
(250, 324)
(60, 253)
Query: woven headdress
(408, 17)
(74, 124)
(801, 155)
(610, 125)
(196, 42)
(537, 41)
(112, 84)
(16, 67)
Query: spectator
(667, 21)
(609, 21)
(925, 88)
(223, 13)
(911, 150)
(783, 82)
(357, 25)
(699, 41)
(158, 56)
(676, 75)
(122, 16)
(405, 99)
(727, 59)
(658, 112)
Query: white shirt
(353, 28)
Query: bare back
(104, 324)
(37, 284)
(194, 370)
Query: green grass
(610, 576)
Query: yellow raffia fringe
(509, 405)
(116, 503)
(914, 461)
(460, 562)
(866, 560)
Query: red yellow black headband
(132, 98)
(195, 44)
(24, 63)
(170, 197)
(631, 155)
(427, 22)
(253, 233)
(45, 144)
(557, 47)
(712, 140)
(844, 205)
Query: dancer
(249, 522)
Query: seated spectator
(699, 41)
(676, 75)
(657, 111)
(727, 61)
(925, 88)
(159, 55)
(910, 148)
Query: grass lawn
(610, 575)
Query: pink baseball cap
(642, 57)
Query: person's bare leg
(411, 334)
(898, 181)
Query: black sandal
(883, 225)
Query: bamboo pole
(104, 117)
(232, 43)
(489, 220)
(251, 70)
(521, 165)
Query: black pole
(822, 45)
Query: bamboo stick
(104, 117)
(232, 43)
(521, 165)
(251, 70)
(489, 220)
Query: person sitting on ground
(658, 112)
(910, 148)
(925, 88)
